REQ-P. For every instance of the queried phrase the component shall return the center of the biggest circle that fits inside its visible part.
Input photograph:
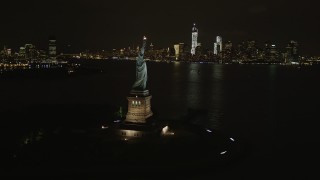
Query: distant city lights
(220, 52)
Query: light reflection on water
(216, 112)
(204, 91)
(193, 87)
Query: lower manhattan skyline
(97, 25)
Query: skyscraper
(29, 51)
(151, 47)
(292, 53)
(228, 51)
(22, 53)
(177, 51)
(9, 52)
(194, 42)
(217, 45)
(52, 48)
(228, 46)
(180, 50)
(270, 52)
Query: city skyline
(222, 52)
(108, 25)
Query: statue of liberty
(141, 70)
(139, 104)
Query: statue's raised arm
(143, 47)
(141, 69)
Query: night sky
(97, 24)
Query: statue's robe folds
(141, 71)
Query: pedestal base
(139, 107)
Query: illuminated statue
(141, 70)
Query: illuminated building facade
(199, 49)
(292, 52)
(228, 51)
(194, 42)
(30, 51)
(5, 53)
(151, 47)
(22, 52)
(9, 52)
(52, 48)
(177, 51)
(180, 50)
(270, 52)
(217, 45)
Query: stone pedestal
(139, 107)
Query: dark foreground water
(272, 110)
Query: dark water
(272, 109)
